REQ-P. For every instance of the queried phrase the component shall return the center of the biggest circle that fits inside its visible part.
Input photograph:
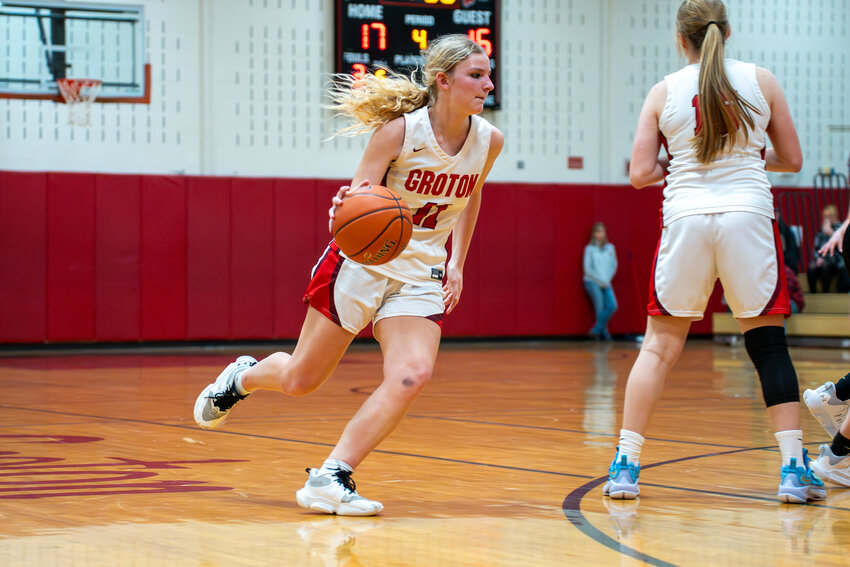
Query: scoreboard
(371, 34)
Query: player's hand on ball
(338, 199)
(452, 288)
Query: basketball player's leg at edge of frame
(829, 402)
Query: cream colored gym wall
(238, 87)
(269, 81)
(269, 63)
(162, 137)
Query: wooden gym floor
(500, 463)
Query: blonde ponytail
(723, 112)
(371, 101)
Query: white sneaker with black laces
(826, 407)
(217, 399)
(334, 492)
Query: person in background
(823, 268)
(600, 265)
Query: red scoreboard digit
(371, 34)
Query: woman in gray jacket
(600, 265)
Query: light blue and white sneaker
(799, 484)
(826, 407)
(622, 479)
(832, 467)
(217, 399)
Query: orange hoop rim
(70, 89)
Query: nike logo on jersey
(418, 149)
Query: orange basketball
(373, 225)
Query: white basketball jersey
(736, 180)
(436, 187)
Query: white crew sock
(237, 383)
(790, 445)
(333, 465)
(630, 445)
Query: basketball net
(78, 95)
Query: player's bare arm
(383, 147)
(785, 155)
(645, 167)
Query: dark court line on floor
(572, 506)
(196, 429)
(563, 430)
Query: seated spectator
(824, 269)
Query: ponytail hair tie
(716, 23)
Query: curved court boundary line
(572, 507)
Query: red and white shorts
(351, 296)
(741, 248)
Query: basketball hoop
(78, 94)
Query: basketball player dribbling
(431, 147)
(713, 117)
(829, 403)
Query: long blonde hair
(722, 111)
(370, 101)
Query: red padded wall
(208, 252)
(252, 244)
(301, 234)
(164, 259)
(96, 257)
(23, 257)
(118, 261)
(70, 257)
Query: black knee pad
(768, 349)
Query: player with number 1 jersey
(714, 117)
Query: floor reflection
(600, 405)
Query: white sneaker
(334, 493)
(826, 407)
(217, 399)
(831, 467)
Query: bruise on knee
(408, 382)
